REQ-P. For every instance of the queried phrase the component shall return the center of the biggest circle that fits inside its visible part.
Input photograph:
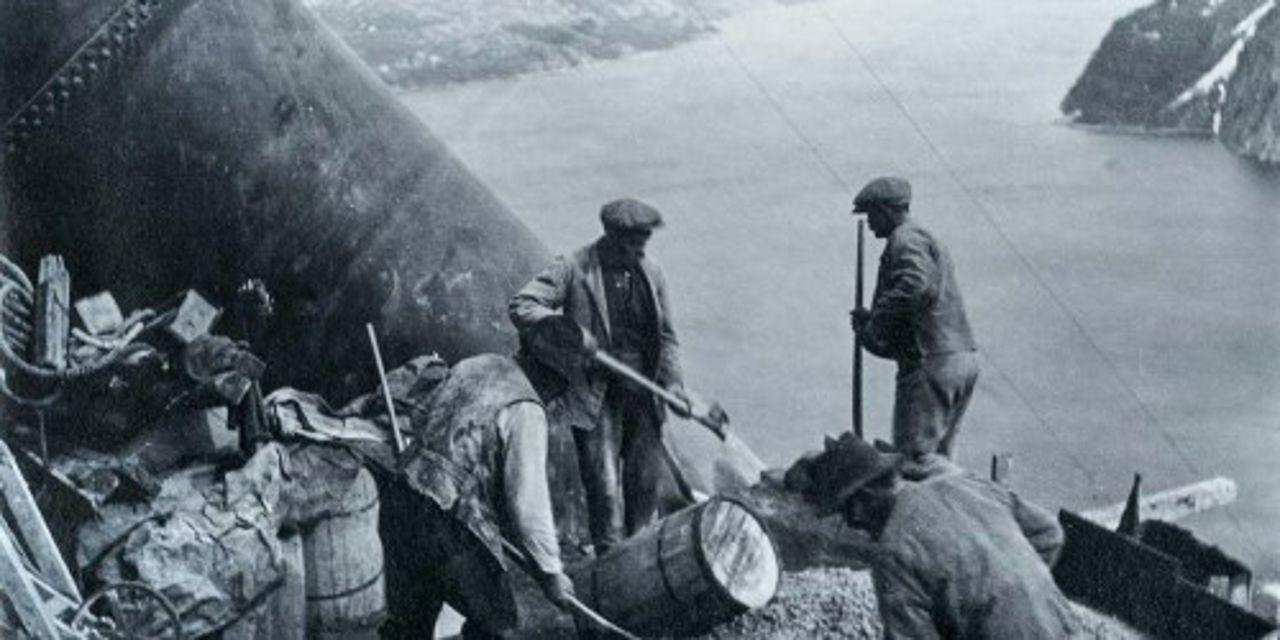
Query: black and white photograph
(613, 319)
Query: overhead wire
(774, 104)
(817, 155)
(1148, 414)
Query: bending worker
(917, 318)
(619, 298)
(957, 556)
(479, 460)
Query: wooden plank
(100, 313)
(53, 314)
(194, 317)
(54, 598)
(31, 526)
(1171, 505)
(15, 585)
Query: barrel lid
(739, 552)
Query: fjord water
(1125, 290)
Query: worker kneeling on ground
(479, 457)
(956, 556)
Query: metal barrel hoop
(83, 614)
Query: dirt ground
(840, 603)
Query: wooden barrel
(697, 568)
(346, 595)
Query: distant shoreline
(1137, 131)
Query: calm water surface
(1124, 289)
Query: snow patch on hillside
(1216, 77)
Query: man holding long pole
(916, 318)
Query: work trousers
(431, 559)
(930, 400)
(622, 463)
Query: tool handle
(717, 426)
(857, 340)
(619, 367)
(386, 389)
(574, 603)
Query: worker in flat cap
(917, 318)
(619, 298)
(956, 556)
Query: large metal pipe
(195, 143)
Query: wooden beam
(31, 527)
(1171, 505)
(53, 314)
(17, 587)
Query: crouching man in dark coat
(475, 471)
(955, 556)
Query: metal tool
(857, 340)
(386, 390)
(714, 418)
(577, 605)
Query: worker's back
(958, 563)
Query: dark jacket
(574, 286)
(917, 311)
(457, 458)
(961, 557)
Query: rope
(8, 358)
(1044, 422)
(775, 105)
(1037, 277)
(817, 155)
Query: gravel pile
(840, 603)
(818, 603)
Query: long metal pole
(397, 439)
(857, 342)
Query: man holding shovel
(618, 298)
(917, 318)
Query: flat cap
(629, 214)
(846, 465)
(890, 190)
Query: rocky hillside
(422, 42)
(1251, 111)
(1189, 66)
(1164, 65)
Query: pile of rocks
(818, 603)
(840, 603)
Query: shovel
(712, 416)
(559, 339)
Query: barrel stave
(696, 568)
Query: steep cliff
(1251, 111)
(1164, 66)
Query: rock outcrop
(1164, 66)
(1251, 111)
(1208, 67)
